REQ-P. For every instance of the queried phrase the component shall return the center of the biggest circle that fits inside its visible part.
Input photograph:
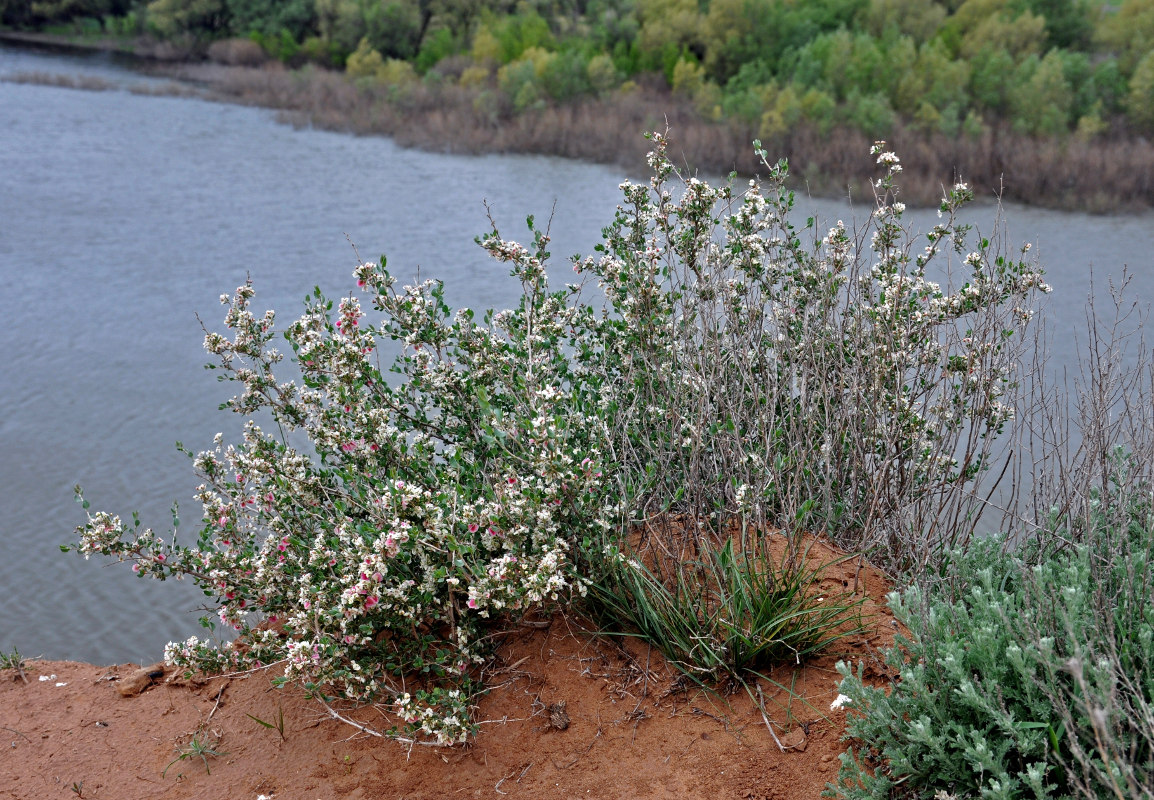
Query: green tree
(364, 62)
(806, 65)
(1128, 32)
(566, 76)
(437, 45)
(341, 23)
(270, 17)
(731, 35)
(513, 35)
(989, 84)
(57, 11)
(194, 18)
(783, 112)
(669, 25)
(394, 28)
(994, 23)
(901, 54)
(1078, 72)
(612, 23)
(602, 73)
(522, 79)
(1040, 101)
(936, 79)
(1069, 23)
(1140, 102)
(919, 19)
(819, 109)
(869, 113)
(1109, 85)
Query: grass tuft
(728, 612)
(202, 745)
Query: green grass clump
(727, 613)
(12, 660)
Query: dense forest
(1063, 71)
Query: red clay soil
(571, 715)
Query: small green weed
(202, 745)
(11, 660)
(278, 725)
(14, 661)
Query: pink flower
(472, 527)
(472, 603)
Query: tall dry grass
(1103, 174)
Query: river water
(124, 215)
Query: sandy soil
(571, 715)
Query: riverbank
(137, 47)
(570, 715)
(1098, 175)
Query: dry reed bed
(1106, 174)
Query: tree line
(1046, 68)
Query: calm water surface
(123, 216)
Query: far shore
(1104, 175)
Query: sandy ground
(572, 715)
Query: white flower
(839, 701)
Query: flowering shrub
(370, 567)
(733, 370)
(829, 382)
